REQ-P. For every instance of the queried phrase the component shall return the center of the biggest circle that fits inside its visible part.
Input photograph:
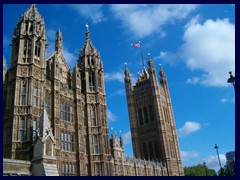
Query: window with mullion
(95, 144)
(94, 120)
(35, 98)
(67, 112)
(24, 94)
(22, 129)
(67, 141)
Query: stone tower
(95, 125)
(24, 85)
(151, 117)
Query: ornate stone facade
(75, 102)
(151, 117)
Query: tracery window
(35, 96)
(95, 144)
(94, 119)
(24, 94)
(67, 141)
(140, 116)
(22, 129)
(66, 113)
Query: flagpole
(141, 54)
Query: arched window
(95, 144)
(22, 129)
(24, 94)
(37, 48)
(146, 115)
(94, 119)
(91, 79)
(140, 116)
(35, 96)
(151, 113)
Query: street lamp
(231, 79)
(205, 167)
(216, 147)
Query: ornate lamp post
(205, 167)
(231, 79)
(216, 147)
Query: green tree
(199, 170)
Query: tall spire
(58, 41)
(44, 124)
(87, 32)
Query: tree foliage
(199, 170)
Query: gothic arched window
(24, 94)
(146, 115)
(35, 96)
(150, 109)
(140, 116)
(22, 129)
(94, 119)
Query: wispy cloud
(92, 11)
(224, 100)
(166, 57)
(227, 100)
(210, 47)
(127, 138)
(144, 20)
(116, 76)
(111, 117)
(119, 92)
(188, 128)
(186, 155)
(69, 57)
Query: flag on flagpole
(136, 45)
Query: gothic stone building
(152, 123)
(55, 120)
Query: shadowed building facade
(151, 118)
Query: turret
(59, 42)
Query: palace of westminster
(55, 120)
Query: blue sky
(194, 43)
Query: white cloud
(209, 47)
(193, 80)
(119, 92)
(185, 155)
(111, 117)
(188, 128)
(224, 100)
(116, 76)
(144, 20)
(127, 138)
(166, 57)
(92, 11)
(212, 161)
(69, 57)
